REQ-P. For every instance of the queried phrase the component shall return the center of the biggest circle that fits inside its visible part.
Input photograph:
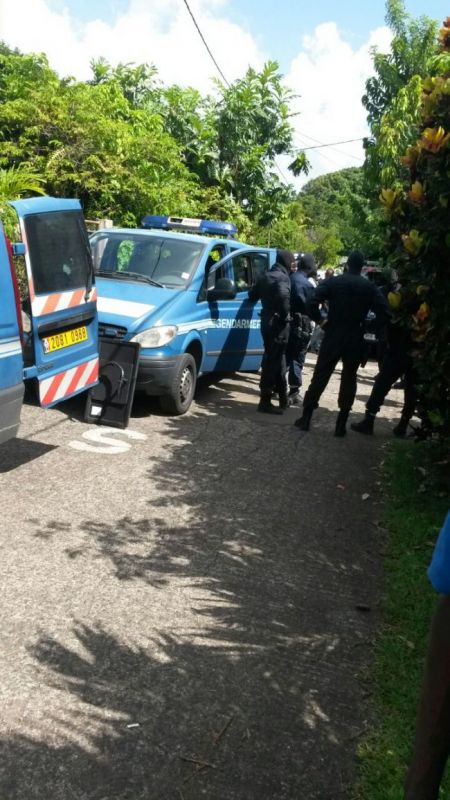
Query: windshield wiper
(140, 277)
(124, 274)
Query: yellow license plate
(66, 339)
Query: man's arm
(318, 296)
(432, 743)
(284, 298)
(380, 306)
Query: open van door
(234, 341)
(63, 352)
(11, 363)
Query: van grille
(111, 331)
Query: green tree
(339, 201)
(392, 97)
(90, 141)
(125, 145)
(253, 126)
(418, 228)
(285, 231)
(138, 83)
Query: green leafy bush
(418, 225)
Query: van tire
(179, 399)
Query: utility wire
(205, 43)
(331, 144)
(298, 143)
(281, 173)
(341, 152)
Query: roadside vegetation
(417, 501)
(127, 146)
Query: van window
(260, 265)
(170, 260)
(241, 272)
(217, 253)
(59, 251)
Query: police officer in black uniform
(349, 297)
(301, 328)
(397, 363)
(274, 290)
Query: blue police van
(49, 336)
(179, 287)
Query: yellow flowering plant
(418, 246)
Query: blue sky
(281, 23)
(323, 48)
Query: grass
(415, 508)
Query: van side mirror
(225, 289)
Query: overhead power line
(281, 173)
(298, 143)
(317, 141)
(331, 144)
(206, 44)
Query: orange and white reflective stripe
(58, 301)
(67, 382)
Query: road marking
(104, 441)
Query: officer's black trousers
(295, 357)
(395, 365)
(273, 367)
(332, 350)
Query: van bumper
(156, 374)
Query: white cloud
(159, 32)
(328, 74)
(329, 77)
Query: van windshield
(59, 251)
(170, 262)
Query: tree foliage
(339, 202)
(125, 145)
(418, 228)
(392, 97)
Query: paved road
(179, 609)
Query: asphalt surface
(188, 608)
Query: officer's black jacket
(301, 292)
(349, 297)
(273, 288)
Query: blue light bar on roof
(205, 226)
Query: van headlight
(156, 337)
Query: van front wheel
(183, 387)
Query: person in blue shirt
(301, 329)
(432, 743)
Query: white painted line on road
(104, 441)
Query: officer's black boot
(266, 407)
(401, 428)
(365, 426)
(284, 402)
(304, 421)
(341, 422)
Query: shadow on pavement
(262, 542)
(17, 452)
